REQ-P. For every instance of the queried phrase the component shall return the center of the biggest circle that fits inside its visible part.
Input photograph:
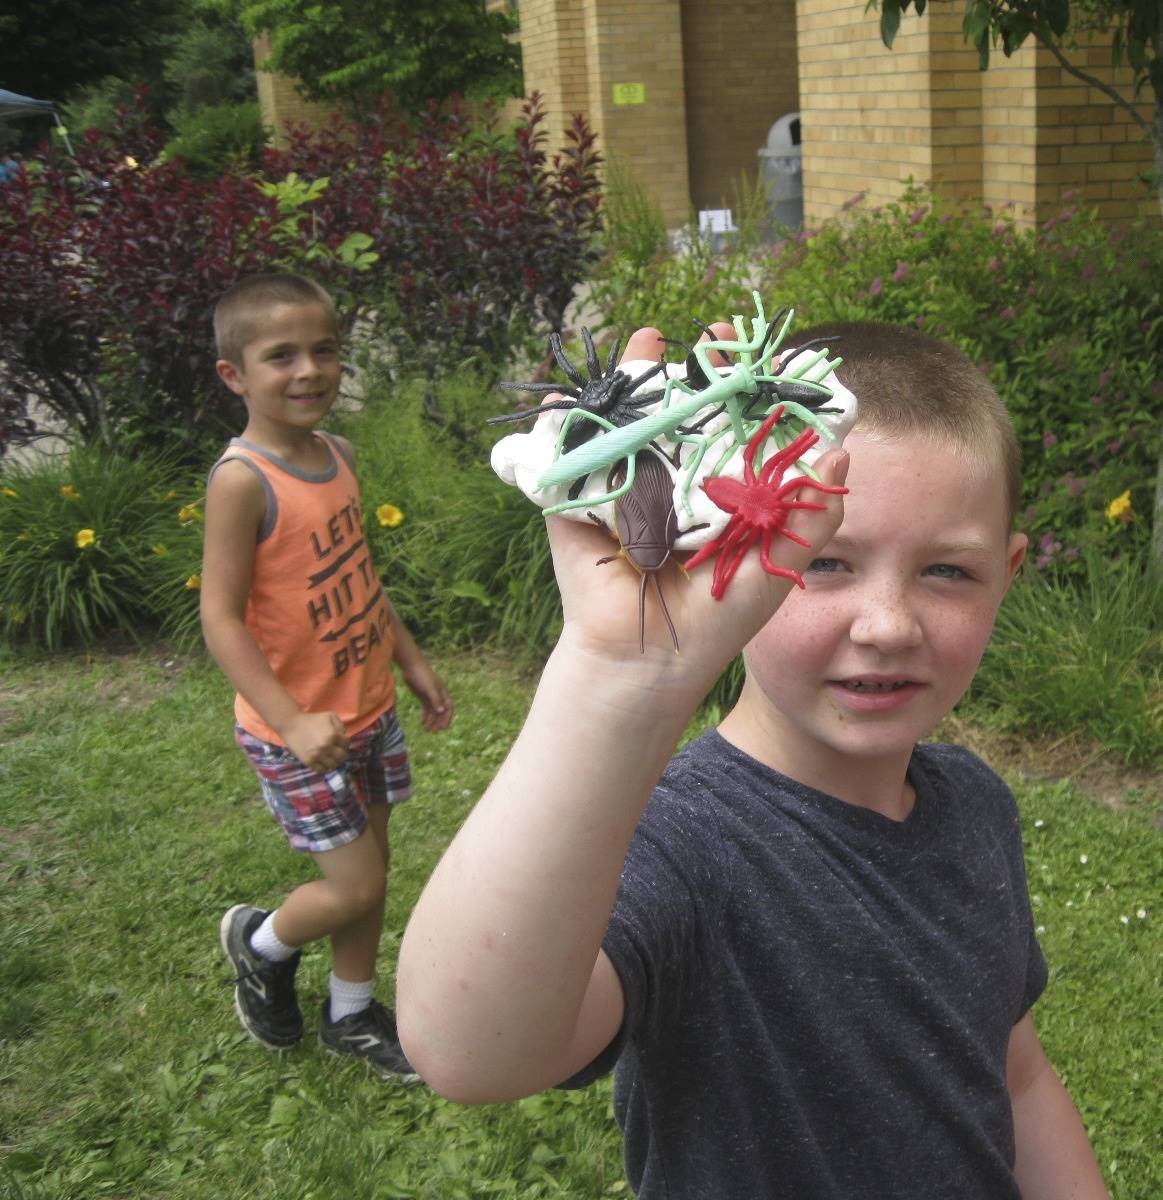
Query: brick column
(640, 42)
(279, 99)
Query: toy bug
(608, 394)
(808, 394)
(728, 390)
(759, 508)
(647, 525)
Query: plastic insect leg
(774, 568)
(567, 424)
(573, 374)
(665, 613)
(731, 560)
(582, 501)
(702, 444)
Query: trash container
(782, 169)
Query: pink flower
(1103, 380)
(1088, 271)
(1000, 228)
(901, 273)
(1051, 439)
(994, 265)
(1008, 313)
(920, 322)
(1074, 486)
(918, 214)
(853, 201)
(1096, 401)
(875, 287)
(1115, 446)
(1032, 291)
(1048, 547)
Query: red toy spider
(758, 507)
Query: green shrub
(96, 543)
(1084, 653)
(469, 559)
(219, 138)
(1067, 319)
(635, 229)
(672, 292)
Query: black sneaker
(371, 1035)
(264, 992)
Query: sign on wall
(629, 93)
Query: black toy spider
(607, 394)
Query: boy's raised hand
(600, 603)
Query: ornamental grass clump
(1083, 654)
(94, 544)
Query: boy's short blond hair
(908, 383)
(241, 312)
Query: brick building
(685, 93)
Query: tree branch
(1106, 88)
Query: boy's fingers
(645, 343)
(723, 331)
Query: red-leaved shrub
(113, 261)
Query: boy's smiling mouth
(873, 685)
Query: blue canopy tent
(13, 105)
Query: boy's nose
(885, 621)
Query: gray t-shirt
(818, 998)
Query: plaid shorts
(321, 812)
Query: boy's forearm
(500, 949)
(234, 649)
(407, 652)
(1054, 1157)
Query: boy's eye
(825, 566)
(948, 571)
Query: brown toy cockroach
(646, 526)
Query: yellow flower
(188, 513)
(7, 492)
(389, 516)
(170, 495)
(194, 582)
(131, 162)
(85, 537)
(70, 493)
(159, 549)
(1120, 509)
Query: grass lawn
(129, 822)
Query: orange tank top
(317, 608)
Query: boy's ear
(1015, 555)
(231, 376)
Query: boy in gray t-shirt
(807, 938)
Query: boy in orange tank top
(295, 614)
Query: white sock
(348, 997)
(265, 942)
